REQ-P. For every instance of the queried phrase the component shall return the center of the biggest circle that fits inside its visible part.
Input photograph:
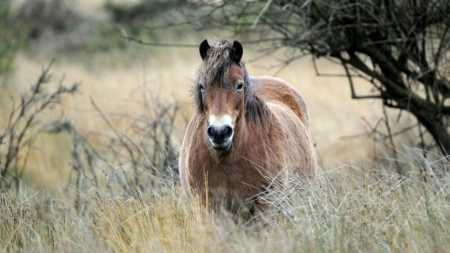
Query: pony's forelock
(217, 63)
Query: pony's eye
(240, 86)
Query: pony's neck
(242, 133)
(255, 123)
(256, 110)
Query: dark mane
(216, 66)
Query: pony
(248, 134)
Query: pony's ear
(237, 51)
(204, 47)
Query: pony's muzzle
(220, 136)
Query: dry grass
(347, 209)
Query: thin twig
(391, 140)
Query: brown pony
(248, 133)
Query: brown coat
(264, 152)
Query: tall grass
(346, 209)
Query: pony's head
(221, 90)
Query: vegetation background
(95, 168)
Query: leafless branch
(23, 125)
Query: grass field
(346, 209)
(358, 203)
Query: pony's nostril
(228, 131)
(210, 132)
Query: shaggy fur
(271, 139)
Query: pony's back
(276, 90)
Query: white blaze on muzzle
(220, 132)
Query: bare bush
(140, 156)
(145, 145)
(24, 125)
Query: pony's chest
(227, 172)
(227, 176)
